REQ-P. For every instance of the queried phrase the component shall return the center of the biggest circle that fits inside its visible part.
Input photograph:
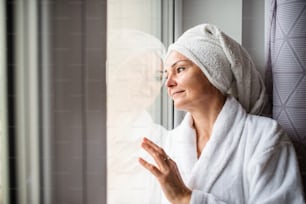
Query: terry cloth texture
(226, 64)
(248, 159)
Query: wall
(226, 15)
(253, 31)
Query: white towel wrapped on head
(225, 63)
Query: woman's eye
(180, 69)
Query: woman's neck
(204, 118)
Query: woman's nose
(170, 82)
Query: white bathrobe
(248, 159)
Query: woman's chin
(179, 106)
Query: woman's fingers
(158, 154)
(153, 146)
(166, 172)
(155, 171)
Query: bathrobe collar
(218, 150)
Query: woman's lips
(176, 93)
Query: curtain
(286, 66)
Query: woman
(222, 152)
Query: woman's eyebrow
(175, 63)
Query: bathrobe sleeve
(271, 172)
(273, 176)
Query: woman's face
(186, 83)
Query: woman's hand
(166, 172)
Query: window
(58, 82)
(136, 102)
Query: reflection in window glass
(134, 80)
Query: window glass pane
(134, 81)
